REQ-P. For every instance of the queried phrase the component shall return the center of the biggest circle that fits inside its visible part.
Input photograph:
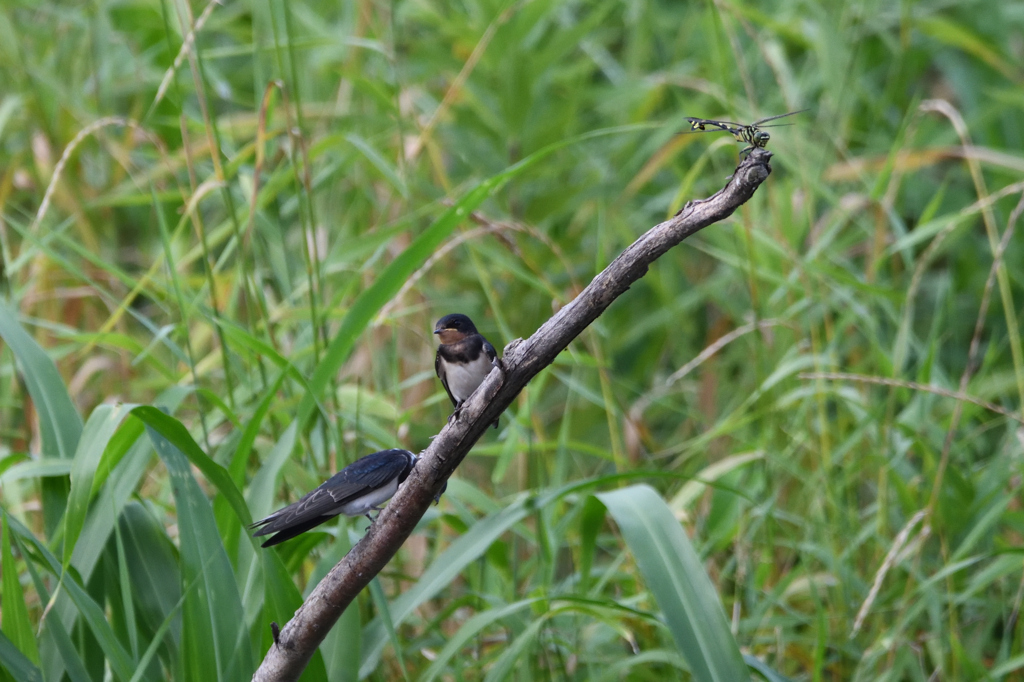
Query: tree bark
(522, 361)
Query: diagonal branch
(523, 361)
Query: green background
(825, 390)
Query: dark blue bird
(355, 490)
(463, 360)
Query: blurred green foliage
(826, 389)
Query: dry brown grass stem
(887, 564)
(914, 386)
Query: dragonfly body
(750, 133)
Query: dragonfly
(750, 133)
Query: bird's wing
(372, 472)
(772, 118)
(442, 375)
(315, 505)
(492, 354)
(318, 506)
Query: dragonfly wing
(772, 118)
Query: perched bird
(357, 489)
(463, 360)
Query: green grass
(859, 527)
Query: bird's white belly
(370, 500)
(463, 379)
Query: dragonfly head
(761, 139)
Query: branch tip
(523, 359)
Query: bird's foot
(454, 416)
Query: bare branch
(523, 360)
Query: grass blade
(152, 563)
(92, 613)
(448, 565)
(677, 580)
(216, 642)
(100, 428)
(281, 599)
(59, 423)
(120, 483)
(16, 624)
(391, 279)
(174, 433)
(45, 467)
(470, 629)
(16, 664)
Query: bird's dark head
(454, 328)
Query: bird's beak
(438, 331)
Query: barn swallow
(463, 360)
(357, 489)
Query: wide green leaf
(16, 664)
(16, 624)
(91, 612)
(99, 429)
(676, 578)
(174, 433)
(260, 494)
(45, 467)
(216, 642)
(59, 423)
(119, 485)
(152, 563)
